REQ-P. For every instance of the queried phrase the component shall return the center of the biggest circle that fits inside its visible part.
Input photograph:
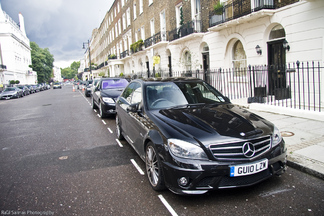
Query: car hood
(113, 93)
(207, 123)
(8, 93)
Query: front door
(277, 68)
(206, 66)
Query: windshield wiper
(183, 106)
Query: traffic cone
(73, 88)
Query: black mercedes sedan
(106, 93)
(193, 139)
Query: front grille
(228, 182)
(234, 150)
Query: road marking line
(119, 143)
(98, 115)
(94, 110)
(103, 121)
(167, 205)
(110, 130)
(137, 167)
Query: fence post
(298, 63)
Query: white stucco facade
(15, 51)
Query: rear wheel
(154, 168)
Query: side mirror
(227, 99)
(133, 108)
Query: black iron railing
(295, 85)
(124, 54)
(185, 30)
(239, 8)
(161, 36)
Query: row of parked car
(190, 136)
(19, 91)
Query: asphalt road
(57, 157)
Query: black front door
(277, 69)
(206, 66)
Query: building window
(163, 25)
(150, 2)
(152, 27)
(134, 10)
(143, 33)
(277, 32)
(136, 36)
(141, 6)
(119, 26)
(124, 21)
(128, 17)
(178, 9)
(239, 56)
(187, 60)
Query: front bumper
(7, 97)
(108, 109)
(203, 176)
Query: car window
(127, 94)
(136, 96)
(164, 95)
(10, 89)
(114, 83)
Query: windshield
(168, 95)
(114, 83)
(9, 89)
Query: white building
(15, 51)
(57, 74)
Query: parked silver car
(11, 92)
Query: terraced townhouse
(146, 38)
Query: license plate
(248, 169)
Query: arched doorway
(277, 63)
(205, 58)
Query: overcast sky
(60, 25)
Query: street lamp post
(89, 55)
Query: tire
(118, 129)
(93, 105)
(101, 113)
(154, 168)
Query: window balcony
(239, 8)
(187, 29)
(161, 36)
(124, 54)
(3, 67)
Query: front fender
(156, 138)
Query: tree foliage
(72, 71)
(42, 62)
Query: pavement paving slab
(303, 133)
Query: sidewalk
(303, 132)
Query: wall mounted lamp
(285, 45)
(258, 50)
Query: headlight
(186, 150)
(108, 100)
(276, 137)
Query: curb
(305, 169)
